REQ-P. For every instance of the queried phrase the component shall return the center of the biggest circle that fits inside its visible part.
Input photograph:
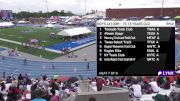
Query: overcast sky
(78, 6)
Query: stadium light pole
(85, 7)
(162, 8)
(47, 9)
(19, 13)
(20, 18)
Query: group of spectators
(24, 88)
(12, 52)
(138, 86)
(65, 51)
(52, 35)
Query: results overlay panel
(129, 48)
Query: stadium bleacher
(2, 49)
(37, 68)
(177, 52)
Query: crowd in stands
(138, 86)
(24, 88)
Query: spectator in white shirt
(44, 83)
(93, 83)
(154, 86)
(136, 89)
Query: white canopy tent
(70, 23)
(22, 22)
(49, 25)
(149, 17)
(6, 24)
(167, 17)
(176, 28)
(74, 31)
(67, 20)
(177, 33)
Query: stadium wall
(113, 95)
(141, 12)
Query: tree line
(26, 14)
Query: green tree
(27, 14)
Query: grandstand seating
(177, 52)
(36, 68)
